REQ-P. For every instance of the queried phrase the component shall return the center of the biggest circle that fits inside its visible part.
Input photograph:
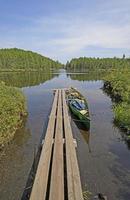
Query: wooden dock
(57, 176)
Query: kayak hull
(82, 118)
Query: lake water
(103, 154)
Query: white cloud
(65, 36)
(78, 36)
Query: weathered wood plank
(41, 178)
(73, 175)
(57, 176)
(57, 169)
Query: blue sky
(63, 29)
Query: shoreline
(12, 112)
(117, 102)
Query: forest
(83, 64)
(17, 59)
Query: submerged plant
(86, 194)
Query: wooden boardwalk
(57, 176)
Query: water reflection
(86, 136)
(103, 156)
(14, 164)
(96, 76)
(125, 137)
(25, 79)
(89, 76)
(82, 129)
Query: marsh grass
(118, 84)
(12, 111)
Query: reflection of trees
(89, 76)
(128, 143)
(126, 138)
(24, 79)
(15, 161)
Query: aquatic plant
(86, 195)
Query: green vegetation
(114, 71)
(86, 64)
(116, 75)
(21, 60)
(87, 195)
(122, 115)
(12, 101)
(117, 83)
(12, 110)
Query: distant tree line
(18, 59)
(84, 63)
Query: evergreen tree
(18, 59)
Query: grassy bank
(12, 110)
(117, 84)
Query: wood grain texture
(57, 176)
(73, 175)
(58, 135)
(41, 178)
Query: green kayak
(78, 105)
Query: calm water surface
(103, 154)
